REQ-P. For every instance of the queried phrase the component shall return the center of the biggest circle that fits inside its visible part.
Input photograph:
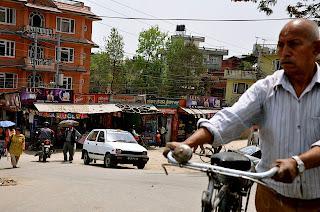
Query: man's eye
(280, 45)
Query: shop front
(168, 121)
(10, 107)
(89, 116)
(196, 107)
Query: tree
(303, 8)
(100, 74)
(185, 68)
(150, 61)
(114, 48)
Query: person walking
(71, 135)
(16, 146)
(163, 132)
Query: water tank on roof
(181, 28)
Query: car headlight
(118, 151)
(144, 153)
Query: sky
(237, 37)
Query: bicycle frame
(231, 184)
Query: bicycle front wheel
(205, 154)
(230, 204)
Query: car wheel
(86, 158)
(107, 161)
(141, 165)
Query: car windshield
(121, 137)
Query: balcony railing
(239, 74)
(40, 64)
(40, 31)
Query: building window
(276, 65)
(40, 50)
(36, 19)
(67, 83)
(7, 48)
(65, 25)
(7, 15)
(37, 79)
(8, 80)
(240, 88)
(67, 54)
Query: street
(58, 186)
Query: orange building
(59, 27)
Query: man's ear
(317, 49)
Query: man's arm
(199, 137)
(288, 167)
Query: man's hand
(170, 146)
(287, 170)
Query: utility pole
(35, 52)
(58, 59)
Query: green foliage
(303, 8)
(115, 46)
(150, 62)
(114, 49)
(100, 72)
(185, 68)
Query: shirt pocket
(314, 128)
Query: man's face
(295, 50)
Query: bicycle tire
(205, 154)
(229, 203)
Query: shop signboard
(128, 99)
(51, 95)
(102, 98)
(10, 101)
(84, 98)
(90, 98)
(203, 102)
(170, 111)
(163, 102)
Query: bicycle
(206, 152)
(230, 179)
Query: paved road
(58, 186)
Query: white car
(113, 147)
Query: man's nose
(285, 51)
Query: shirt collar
(281, 78)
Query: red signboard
(84, 98)
(90, 98)
(168, 111)
(102, 98)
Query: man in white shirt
(286, 107)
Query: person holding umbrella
(71, 135)
(16, 146)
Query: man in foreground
(286, 107)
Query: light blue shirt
(288, 126)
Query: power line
(195, 19)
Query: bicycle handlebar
(225, 171)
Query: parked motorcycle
(46, 149)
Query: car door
(90, 144)
(100, 145)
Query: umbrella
(68, 123)
(7, 123)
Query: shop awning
(138, 108)
(77, 108)
(200, 113)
